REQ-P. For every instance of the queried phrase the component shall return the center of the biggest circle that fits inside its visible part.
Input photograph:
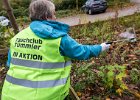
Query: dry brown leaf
(107, 99)
(79, 94)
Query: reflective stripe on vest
(37, 64)
(36, 84)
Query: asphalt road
(84, 18)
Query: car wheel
(89, 11)
(103, 10)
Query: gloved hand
(105, 46)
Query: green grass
(66, 13)
(94, 29)
(117, 2)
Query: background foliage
(20, 7)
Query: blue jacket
(68, 47)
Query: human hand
(105, 46)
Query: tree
(77, 4)
(11, 15)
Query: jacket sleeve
(9, 59)
(70, 48)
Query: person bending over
(40, 57)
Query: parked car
(4, 21)
(93, 6)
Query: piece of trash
(128, 34)
(4, 21)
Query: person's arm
(9, 59)
(70, 48)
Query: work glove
(105, 46)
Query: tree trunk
(77, 4)
(11, 15)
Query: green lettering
(22, 45)
(24, 56)
(28, 45)
(20, 55)
(15, 54)
(31, 56)
(40, 41)
(34, 57)
(35, 46)
(17, 40)
(28, 56)
(38, 47)
(39, 57)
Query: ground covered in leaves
(115, 74)
(3, 70)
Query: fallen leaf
(119, 91)
(79, 94)
(131, 56)
(107, 99)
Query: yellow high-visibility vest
(37, 70)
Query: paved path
(84, 18)
(135, 1)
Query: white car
(4, 21)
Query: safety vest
(37, 69)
